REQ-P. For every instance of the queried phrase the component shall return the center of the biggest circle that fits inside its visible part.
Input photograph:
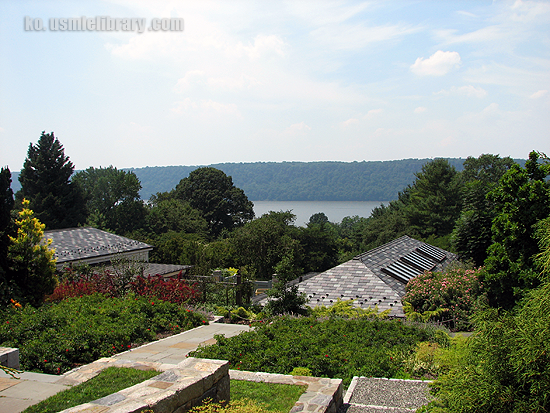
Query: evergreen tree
(435, 203)
(6, 229)
(521, 199)
(45, 182)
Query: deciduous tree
(261, 243)
(112, 198)
(212, 192)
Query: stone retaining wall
(182, 386)
(176, 390)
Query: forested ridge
(301, 181)
(298, 181)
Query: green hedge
(58, 337)
(334, 347)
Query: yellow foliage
(237, 406)
(32, 256)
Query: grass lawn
(274, 397)
(107, 382)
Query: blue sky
(249, 81)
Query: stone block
(9, 357)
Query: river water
(334, 210)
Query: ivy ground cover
(333, 347)
(58, 337)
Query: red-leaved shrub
(174, 290)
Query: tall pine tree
(45, 182)
(7, 228)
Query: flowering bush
(457, 294)
(60, 336)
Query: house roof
(376, 277)
(75, 244)
(166, 270)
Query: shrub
(174, 290)
(77, 284)
(334, 347)
(300, 371)
(346, 309)
(505, 366)
(60, 336)
(452, 296)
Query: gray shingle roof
(73, 244)
(363, 278)
(164, 269)
(351, 280)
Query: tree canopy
(112, 198)
(45, 182)
(472, 233)
(435, 200)
(521, 200)
(212, 192)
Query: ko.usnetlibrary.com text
(103, 24)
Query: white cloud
(538, 94)
(350, 122)
(492, 109)
(470, 91)
(524, 11)
(373, 112)
(187, 80)
(231, 83)
(352, 37)
(297, 129)
(263, 45)
(489, 33)
(205, 106)
(182, 106)
(467, 13)
(438, 64)
(420, 109)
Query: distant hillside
(298, 181)
(301, 181)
